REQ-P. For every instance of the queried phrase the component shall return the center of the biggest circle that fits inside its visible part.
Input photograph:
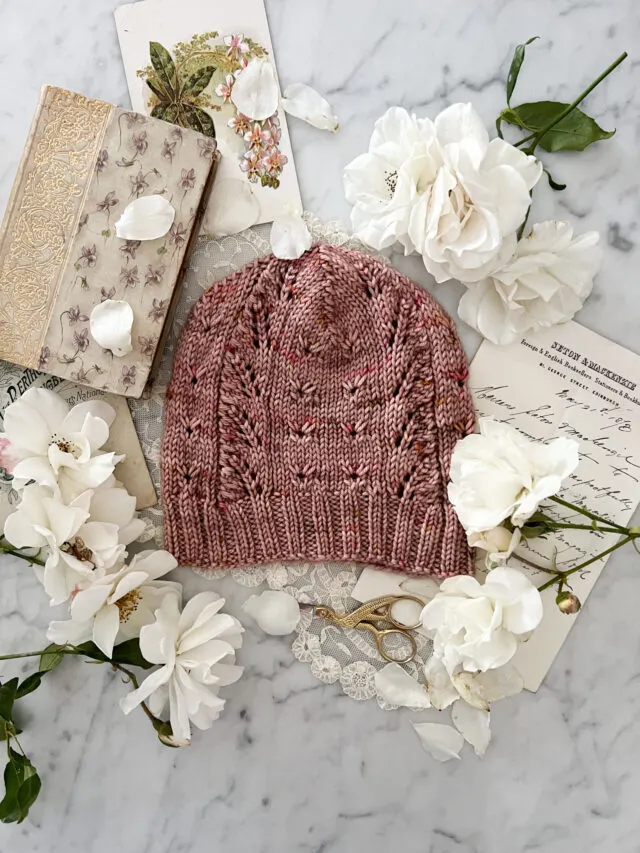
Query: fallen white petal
(473, 725)
(442, 742)
(424, 588)
(146, 218)
(290, 238)
(440, 688)
(255, 92)
(276, 612)
(397, 687)
(232, 208)
(110, 324)
(303, 102)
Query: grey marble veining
(295, 765)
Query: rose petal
(110, 325)
(397, 687)
(146, 218)
(290, 238)
(232, 208)
(442, 742)
(276, 612)
(255, 92)
(440, 688)
(303, 102)
(473, 725)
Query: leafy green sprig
(551, 125)
(21, 780)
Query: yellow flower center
(78, 549)
(128, 604)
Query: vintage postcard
(196, 36)
(563, 381)
(132, 471)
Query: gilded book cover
(84, 161)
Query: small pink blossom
(251, 163)
(236, 45)
(257, 137)
(274, 160)
(223, 90)
(240, 124)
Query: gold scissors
(373, 616)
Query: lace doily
(333, 654)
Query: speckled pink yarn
(312, 413)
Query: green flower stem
(560, 577)
(588, 514)
(536, 137)
(556, 525)
(15, 553)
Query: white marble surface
(295, 765)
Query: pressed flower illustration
(130, 248)
(198, 77)
(153, 275)
(102, 160)
(158, 310)
(107, 203)
(147, 346)
(129, 375)
(129, 276)
(207, 148)
(88, 257)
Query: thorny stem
(541, 133)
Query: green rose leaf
(51, 658)
(129, 654)
(164, 67)
(7, 698)
(22, 786)
(30, 684)
(198, 81)
(198, 119)
(90, 650)
(574, 133)
(516, 65)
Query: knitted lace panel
(311, 415)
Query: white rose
(545, 283)
(473, 196)
(498, 543)
(475, 627)
(381, 184)
(501, 474)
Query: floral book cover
(182, 59)
(84, 162)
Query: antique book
(84, 161)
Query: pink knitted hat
(312, 413)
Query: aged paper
(180, 26)
(563, 381)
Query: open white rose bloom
(501, 474)
(196, 653)
(545, 283)
(442, 188)
(118, 603)
(58, 447)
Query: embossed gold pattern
(42, 216)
